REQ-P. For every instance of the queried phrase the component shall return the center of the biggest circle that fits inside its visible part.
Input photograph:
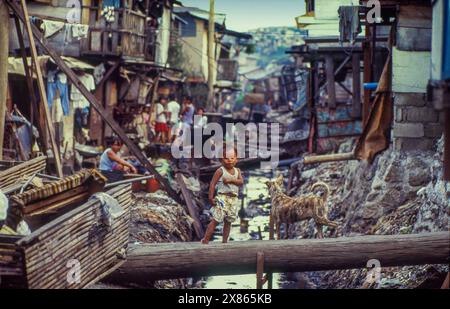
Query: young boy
(227, 180)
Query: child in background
(227, 180)
(161, 127)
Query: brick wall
(417, 124)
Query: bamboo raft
(46, 257)
(13, 178)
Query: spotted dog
(288, 210)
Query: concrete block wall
(417, 125)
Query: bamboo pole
(42, 91)
(211, 56)
(4, 43)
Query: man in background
(173, 107)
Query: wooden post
(447, 144)
(259, 270)
(356, 95)
(4, 43)
(211, 56)
(42, 92)
(331, 90)
(367, 76)
(72, 77)
(271, 227)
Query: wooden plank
(179, 260)
(73, 78)
(329, 158)
(4, 49)
(42, 91)
(331, 90)
(192, 209)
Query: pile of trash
(399, 193)
(155, 217)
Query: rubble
(400, 193)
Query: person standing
(161, 127)
(187, 115)
(173, 107)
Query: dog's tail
(325, 187)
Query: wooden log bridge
(178, 260)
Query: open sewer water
(257, 207)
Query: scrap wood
(191, 206)
(53, 196)
(18, 174)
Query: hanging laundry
(99, 71)
(349, 24)
(51, 27)
(79, 31)
(58, 83)
(78, 99)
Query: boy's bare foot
(204, 241)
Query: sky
(244, 15)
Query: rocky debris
(399, 193)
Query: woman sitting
(112, 165)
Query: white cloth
(57, 111)
(3, 206)
(99, 71)
(174, 108)
(160, 116)
(50, 27)
(80, 31)
(79, 101)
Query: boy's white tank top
(227, 188)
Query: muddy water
(257, 205)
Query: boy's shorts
(225, 208)
(161, 127)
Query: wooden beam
(38, 117)
(108, 74)
(4, 49)
(339, 69)
(356, 97)
(192, 209)
(331, 90)
(329, 158)
(73, 78)
(41, 86)
(178, 260)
